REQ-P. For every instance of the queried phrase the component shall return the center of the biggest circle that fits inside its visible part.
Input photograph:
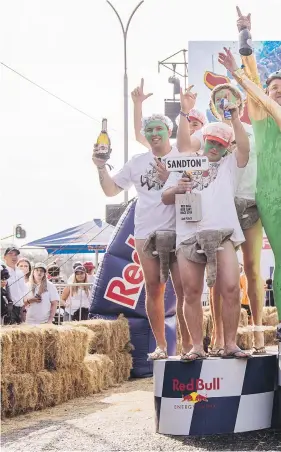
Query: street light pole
(126, 96)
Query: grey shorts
(247, 212)
(190, 247)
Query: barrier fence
(268, 299)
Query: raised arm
(185, 142)
(241, 137)
(262, 105)
(109, 187)
(138, 97)
(249, 62)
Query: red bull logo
(126, 290)
(196, 384)
(194, 397)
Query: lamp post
(126, 97)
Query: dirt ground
(120, 419)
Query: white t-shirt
(217, 189)
(40, 312)
(80, 298)
(150, 214)
(247, 183)
(17, 286)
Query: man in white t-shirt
(147, 173)
(198, 242)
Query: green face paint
(224, 94)
(214, 150)
(156, 129)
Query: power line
(51, 94)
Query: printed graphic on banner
(205, 72)
(125, 291)
(189, 400)
(188, 207)
(184, 163)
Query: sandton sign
(185, 163)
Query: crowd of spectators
(29, 293)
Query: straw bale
(101, 371)
(109, 335)
(19, 393)
(244, 338)
(27, 349)
(270, 316)
(270, 336)
(243, 321)
(207, 324)
(58, 386)
(65, 346)
(6, 352)
(122, 365)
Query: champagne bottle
(103, 145)
(103, 138)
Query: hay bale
(122, 365)
(243, 321)
(270, 336)
(244, 338)
(58, 386)
(19, 394)
(27, 349)
(6, 352)
(64, 346)
(101, 371)
(270, 316)
(109, 335)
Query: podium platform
(216, 396)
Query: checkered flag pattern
(215, 395)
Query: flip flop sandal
(199, 357)
(216, 352)
(158, 353)
(234, 355)
(259, 351)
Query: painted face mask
(224, 94)
(156, 132)
(214, 150)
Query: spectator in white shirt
(42, 298)
(77, 298)
(16, 284)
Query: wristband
(186, 115)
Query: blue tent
(90, 237)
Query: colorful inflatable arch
(119, 288)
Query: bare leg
(228, 279)
(192, 277)
(216, 301)
(252, 256)
(154, 295)
(185, 336)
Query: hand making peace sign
(187, 99)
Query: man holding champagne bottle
(147, 173)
